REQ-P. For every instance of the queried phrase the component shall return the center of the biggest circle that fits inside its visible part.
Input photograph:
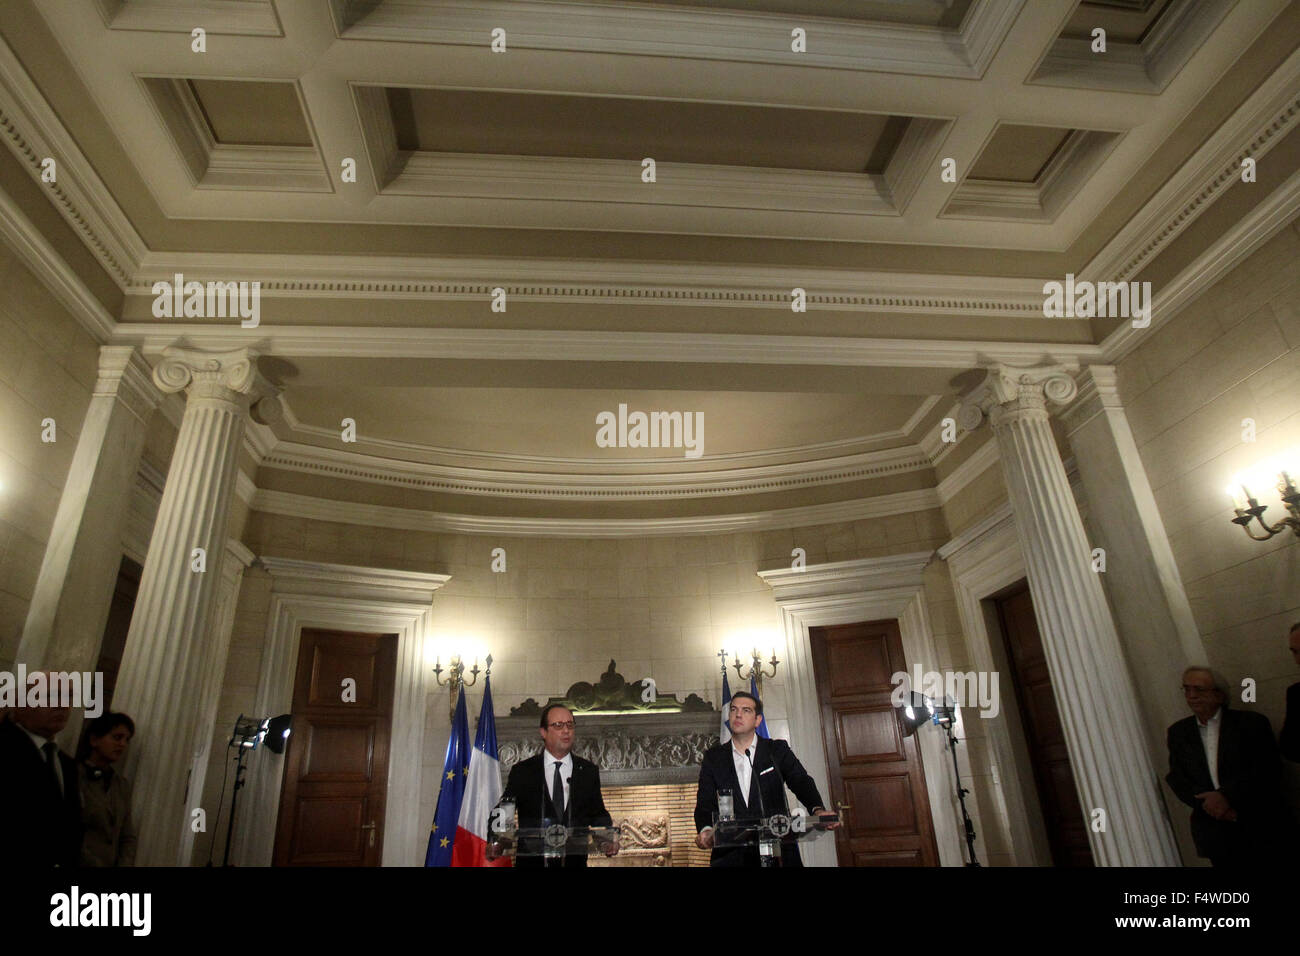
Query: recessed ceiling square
(1018, 154)
(944, 14)
(521, 124)
(252, 112)
(1123, 22)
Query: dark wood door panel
(868, 734)
(338, 750)
(886, 804)
(874, 768)
(858, 666)
(1063, 817)
(336, 765)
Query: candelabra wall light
(756, 668)
(1281, 471)
(456, 677)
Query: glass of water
(726, 805)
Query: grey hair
(1220, 684)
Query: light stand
(917, 712)
(248, 733)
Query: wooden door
(336, 765)
(1066, 823)
(874, 768)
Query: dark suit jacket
(532, 798)
(38, 828)
(718, 771)
(1250, 776)
(1289, 741)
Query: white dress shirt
(548, 773)
(1210, 741)
(744, 761)
(39, 742)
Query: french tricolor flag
(482, 791)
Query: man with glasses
(1224, 764)
(756, 771)
(558, 786)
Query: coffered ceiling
(776, 167)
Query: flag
(454, 772)
(725, 733)
(482, 791)
(762, 728)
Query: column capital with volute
(1011, 391)
(230, 376)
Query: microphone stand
(764, 835)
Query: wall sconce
(756, 669)
(456, 676)
(1248, 509)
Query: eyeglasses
(562, 725)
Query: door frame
(985, 560)
(346, 598)
(847, 592)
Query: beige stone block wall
(661, 607)
(48, 368)
(1233, 354)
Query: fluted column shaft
(162, 674)
(1113, 768)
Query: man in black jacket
(1289, 742)
(756, 771)
(40, 801)
(1224, 765)
(557, 786)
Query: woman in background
(105, 795)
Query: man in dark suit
(1224, 765)
(557, 786)
(40, 801)
(756, 771)
(1289, 742)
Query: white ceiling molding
(351, 466)
(1254, 128)
(346, 512)
(35, 251)
(213, 165)
(1145, 67)
(734, 35)
(234, 17)
(1075, 162)
(32, 131)
(1243, 238)
(313, 438)
(590, 346)
(560, 280)
(932, 442)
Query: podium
(770, 834)
(553, 841)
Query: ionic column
(1112, 764)
(161, 681)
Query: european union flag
(454, 773)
